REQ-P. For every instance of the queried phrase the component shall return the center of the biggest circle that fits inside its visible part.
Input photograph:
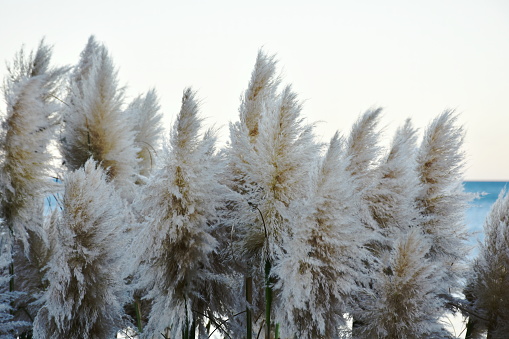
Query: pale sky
(414, 58)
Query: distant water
(479, 208)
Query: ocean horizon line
(485, 180)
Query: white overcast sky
(414, 58)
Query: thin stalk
(217, 324)
(268, 285)
(268, 298)
(260, 330)
(263, 220)
(470, 328)
(276, 335)
(11, 265)
(138, 315)
(11, 273)
(249, 299)
(221, 323)
(185, 330)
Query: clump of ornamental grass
(95, 124)
(362, 156)
(316, 235)
(402, 303)
(174, 248)
(272, 156)
(317, 274)
(489, 279)
(27, 129)
(30, 89)
(442, 200)
(392, 203)
(394, 211)
(85, 293)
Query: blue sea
(479, 208)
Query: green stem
(11, 273)
(138, 315)
(188, 332)
(268, 298)
(276, 335)
(192, 330)
(249, 299)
